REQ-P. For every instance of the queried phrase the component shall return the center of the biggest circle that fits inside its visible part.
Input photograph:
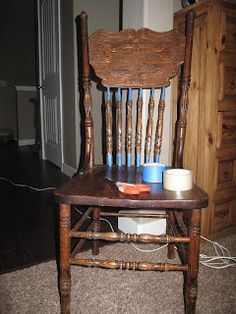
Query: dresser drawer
(226, 170)
(226, 129)
(228, 37)
(226, 176)
(233, 213)
(227, 81)
(221, 216)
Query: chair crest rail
(142, 58)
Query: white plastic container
(142, 225)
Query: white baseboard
(68, 170)
(24, 88)
(26, 142)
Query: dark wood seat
(94, 189)
(130, 59)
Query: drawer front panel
(227, 81)
(230, 82)
(233, 213)
(229, 38)
(228, 132)
(227, 129)
(226, 172)
(221, 215)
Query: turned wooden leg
(191, 286)
(170, 221)
(96, 228)
(65, 251)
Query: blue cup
(153, 172)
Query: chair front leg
(191, 285)
(96, 228)
(65, 251)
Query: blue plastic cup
(153, 172)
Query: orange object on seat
(129, 188)
(143, 187)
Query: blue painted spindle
(149, 130)
(158, 139)
(118, 97)
(139, 129)
(157, 158)
(153, 92)
(109, 128)
(119, 128)
(141, 93)
(129, 128)
(163, 93)
(148, 158)
(108, 94)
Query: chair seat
(96, 188)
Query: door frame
(42, 120)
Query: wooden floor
(28, 228)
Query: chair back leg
(96, 228)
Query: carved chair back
(135, 60)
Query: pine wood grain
(210, 137)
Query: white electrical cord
(28, 186)
(223, 258)
(103, 219)
(135, 246)
(149, 251)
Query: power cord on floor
(223, 258)
(28, 186)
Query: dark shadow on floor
(28, 224)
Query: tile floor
(28, 222)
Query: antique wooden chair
(131, 59)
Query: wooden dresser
(210, 149)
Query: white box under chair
(140, 225)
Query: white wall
(133, 14)
(157, 15)
(8, 117)
(177, 5)
(26, 114)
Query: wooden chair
(132, 60)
